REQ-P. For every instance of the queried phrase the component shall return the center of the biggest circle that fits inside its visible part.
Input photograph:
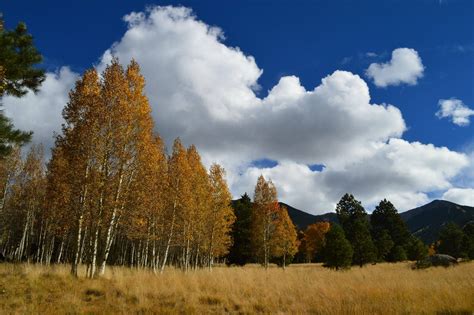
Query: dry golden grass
(300, 289)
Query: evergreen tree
(416, 249)
(18, 56)
(451, 241)
(386, 218)
(398, 253)
(384, 245)
(362, 244)
(241, 250)
(468, 242)
(337, 251)
(348, 210)
(353, 218)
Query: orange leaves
(314, 239)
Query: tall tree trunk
(78, 246)
(170, 236)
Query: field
(300, 289)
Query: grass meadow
(300, 289)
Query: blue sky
(309, 40)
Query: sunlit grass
(300, 289)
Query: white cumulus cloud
(462, 196)
(204, 91)
(41, 112)
(404, 67)
(456, 110)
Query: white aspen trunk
(188, 249)
(94, 253)
(211, 249)
(83, 245)
(61, 248)
(79, 223)
(96, 239)
(108, 242)
(170, 236)
(40, 241)
(78, 244)
(43, 245)
(147, 243)
(108, 239)
(4, 193)
(21, 246)
(132, 254)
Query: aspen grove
(110, 194)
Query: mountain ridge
(424, 222)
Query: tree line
(356, 240)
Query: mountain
(302, 219)
(424, 222)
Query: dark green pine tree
(386, 218)
(451, 239)
(353, 218)
(416, 249)
(18, 57)
(398, 253)
(18, 74)
(241, 251)
(384, 245)
(468, 241)
(337, 252)
(362, 244)
(348, 209)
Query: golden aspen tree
(314, 239)
(9, 166)
(178, 195)
(147, 202)
(264, 213)
(24, 205)
(199, 211)
(70, 182)
(132, 136)
(108, 131)
(221, 216)
(285, 238)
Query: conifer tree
(386, 218)
(416, 249)
(18, 74)
(384, 244)
(451, 241)
(241, 251)
(353, 219)
(337, 251)
(363, 247)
